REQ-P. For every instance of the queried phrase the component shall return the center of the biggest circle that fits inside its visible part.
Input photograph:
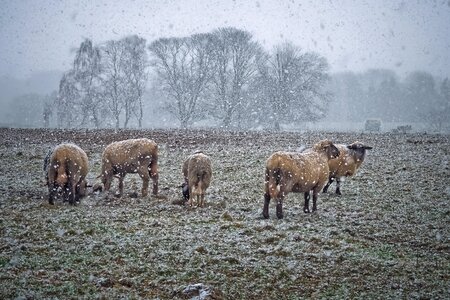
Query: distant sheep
(131, 156)
(299, 173)
(66, 167)
(350, 159)
(197, 172)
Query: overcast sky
(40, 35)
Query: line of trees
(381, 94)
(227, 79)
(224, 76)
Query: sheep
(66, 167)
(350, 159)
(197, 172)
(299, 173)
(130, 156)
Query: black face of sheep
(358, 146)
(185, 190)
(333, 151)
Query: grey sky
(405, 36)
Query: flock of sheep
(314, 169)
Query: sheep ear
(352, 146)
(368, 147)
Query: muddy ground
(386, 237)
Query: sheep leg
(338, 186)
(202, 200)
(191, 195)
(121, 185)
(145, 175)
(66, 192)
(71, 192)
(52, 193)
(315, 196)
(280, 207)
(306, 205)
(199, 203)
(107, 182)
(266, 205)
(330, 181)
(77, 192)
(153, 172)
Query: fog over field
(291, 65)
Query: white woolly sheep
(66, 167)
(299, 173)
(131, 156)
(350, 159)
(197, 172)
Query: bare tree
(234, 64)
(66, 102)
(136, 73)
(114, 78)
(294, 82)
(184, 69)
(87, 69)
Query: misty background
(293, 65)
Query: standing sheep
(66, 167)
(197, 174)
(299, 173)
(131, 156)
(350, 159)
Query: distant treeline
(224, 78)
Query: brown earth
(387, 236)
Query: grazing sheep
(131, 156)
(66, 167)
(197, 174)
(299, 173)
(350, 159)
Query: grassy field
(386, 237)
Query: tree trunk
(141, 113)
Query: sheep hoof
(265, 216)
(306, 210)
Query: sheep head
(358, 145)
(326, 146)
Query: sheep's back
(129, 152)
(71, 159)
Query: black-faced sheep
(350, 159)
(131, 156)
(299, 173)
(197, 172)
(66, 167)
